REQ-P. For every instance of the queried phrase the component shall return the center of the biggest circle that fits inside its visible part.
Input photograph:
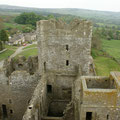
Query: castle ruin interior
(60, 83)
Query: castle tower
(64, 48)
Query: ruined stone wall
(100, 102)
(100, 113)
(98, 95)
(77, 97)
(62, 47)
(38, 106)
(58, 92)
(116, 77)
(61, 85)
(4, 92)
(16, 91)
(22, 88)
(69, 112)
(30, 65)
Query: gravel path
(19, 50)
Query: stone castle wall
(38, 106)
(17, 86)
(101, 101)
(30, 65)
(64, 52)
(64, 47)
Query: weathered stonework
(30, 65)
(59, 84)
(63, 48)
(16, 88)
(98, 96)
(64, 53)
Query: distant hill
(96, 16)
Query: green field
(9, 52)
(14, 25)
(10, 47)
(104, 64)
(112, 47)
(6, 54)
(26, 53)
(29, 52)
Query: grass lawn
(31, 46)
(112, 47)
(30, 52)
(9, 52)
(13, 25)
(105, 65)
(5, 54)
(10, 47)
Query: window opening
(67, 62)
(49, 88)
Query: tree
(3, 36)
(1, 24)
(28, 18)
(1, 47)
(96, 39)
(51, 16)
(1, 27)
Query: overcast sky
(104, 5)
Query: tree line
(3, 38)
(30, 18)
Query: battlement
(77, 27)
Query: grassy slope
(104, 64)
(29, 52)
(26, 53)
(112, 47)
(6, 54)
(9, 52)
(13, 25)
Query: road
(19, 50)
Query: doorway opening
(88, 115)
(4, 110)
